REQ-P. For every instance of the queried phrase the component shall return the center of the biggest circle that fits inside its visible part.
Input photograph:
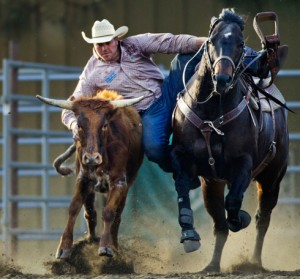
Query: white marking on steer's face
(227, 35)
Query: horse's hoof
(105, 251)
(191, 246)
(63, 253)
(190, 240)
(212, 268)
(242, 223)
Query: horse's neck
(203, 85)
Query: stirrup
(276, 54)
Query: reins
(187, 63)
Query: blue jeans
(157, 120)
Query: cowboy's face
(108, 51)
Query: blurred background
(50, 31)
(43, 52)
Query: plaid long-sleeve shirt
(136, 74)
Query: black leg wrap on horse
(237, 219)
(240, 223)
(233, 205)
(186, 219)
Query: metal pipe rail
(45, 74)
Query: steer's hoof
(63, 253)
(105, 251)
(191, 240)
(242, 223)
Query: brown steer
(108, 157)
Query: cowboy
(126, 66)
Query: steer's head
(92, 119)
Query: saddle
(264, 101)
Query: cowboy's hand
(74, 128)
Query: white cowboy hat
(103, 31)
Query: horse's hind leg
(213, 196)
(189, 237)
(267, 200)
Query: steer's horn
(57, 103)
(126, 102)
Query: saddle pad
(275, 92)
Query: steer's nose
(92, 158)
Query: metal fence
(14, 103)
(16, 72)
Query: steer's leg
(213, 196)
(115, 197)
(90, 215)
(117, 221)
(66, 242)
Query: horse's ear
(214, 20)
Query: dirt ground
(151, 249)
(143, 264)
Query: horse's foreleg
(189, 237)
(213, 196)
(238, 219)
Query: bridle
(212, 65)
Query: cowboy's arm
(200, 41)
(84, 88)
(168, 43)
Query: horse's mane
(229, 15)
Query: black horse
(219, 136)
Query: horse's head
(225, 49)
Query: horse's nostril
(223, 79)
(229, 79)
